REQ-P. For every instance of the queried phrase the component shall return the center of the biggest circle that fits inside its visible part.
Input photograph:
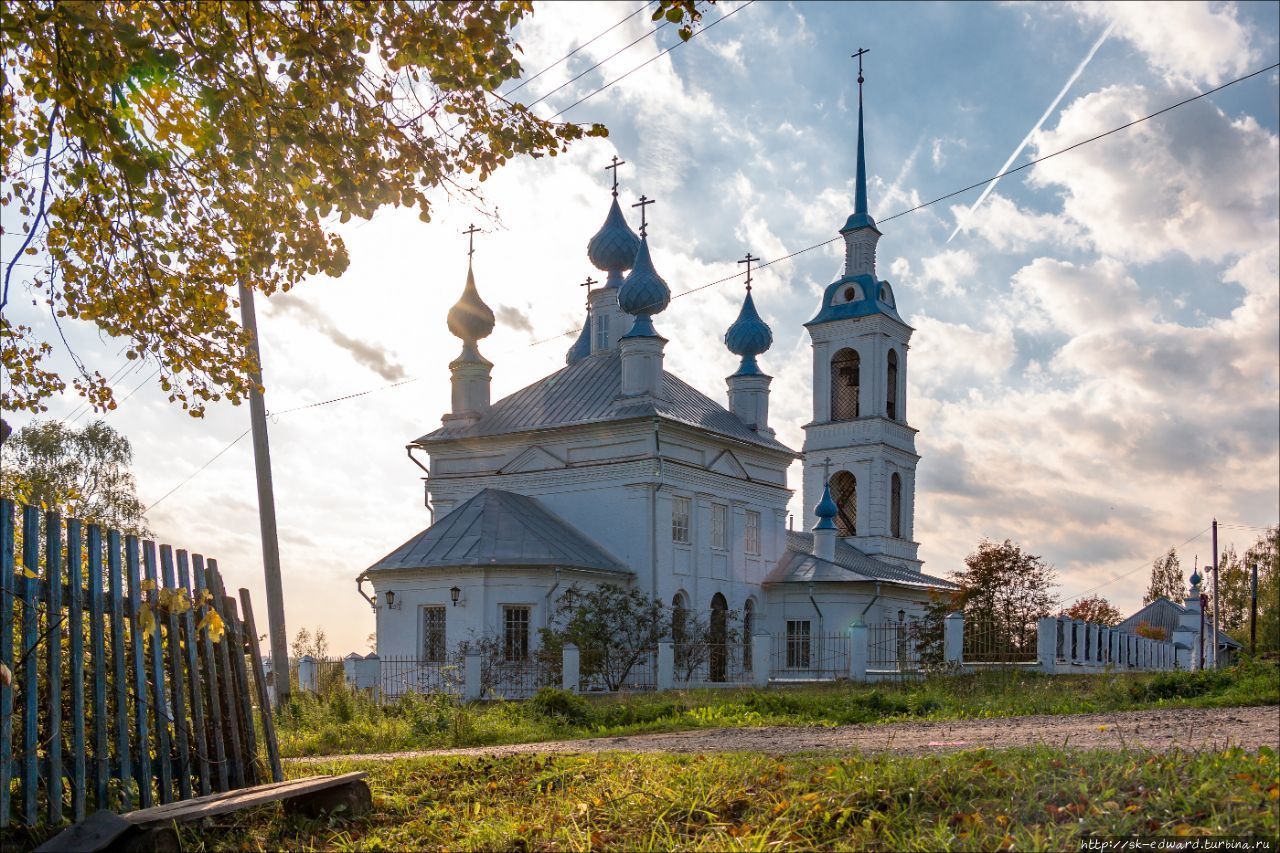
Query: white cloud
(1008, 227)
(1188, 42)
(948, 269)
(947, 356)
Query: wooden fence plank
(75, 623)
(211, 681)
(227, 683)
(177, 678)
(98, 648)
(251, 774)
(141, 699)
(29, 655)
(190, 641)
(53, 678)
(264, 699)
(115, 584)
(7, 604)
(158, 692)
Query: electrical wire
(1144, 565)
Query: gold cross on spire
(471, 233)
(614, 167)
(748, 260)
(643, 203)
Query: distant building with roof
(1170, 617)
(613, 470)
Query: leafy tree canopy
(1166, 579)
(84, 473)
(1001, 583)
(1095, 609)
(158, 154)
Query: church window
(515, 633)
(895, 506)
(679, 614)
(844, 491)
(680, 520)
(752, 539)
(748, 628)
(798, 644)
(845, 379)
(891, 403)
(850, 294)
(718, 663)
(719, 526)
(433, 634)
(601, 323)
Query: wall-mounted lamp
(391, 600)
(454, 594)
(902, 614)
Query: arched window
(748, 628)
(844, 385)
(844, 491)
(891, 402)
(679, 618)
(718, 659)
(895, 506)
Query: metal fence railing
(996, 642)
(641, 676)
(710, 664)
(403, 676)
(809, 657)
(892, 647)
(517, 679)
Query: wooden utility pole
(1214, 647)
(1253, 608)
(266, 506)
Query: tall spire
(861, 217)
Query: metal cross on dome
(588, 284)
(471, 233)
(614, 168)
(748, 260)
(643, 203)
(826, 470)
(858, 56)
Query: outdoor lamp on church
(454, 594)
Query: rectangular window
(719, 526)
(753, 532)
(601, 322)
(433, 634)
(515, 633)
(798, 644)
(680, 520)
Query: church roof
(497, 528)
(588, 392)
(799, 565)
(1163, 613)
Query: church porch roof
(499, 528)
(799, 565)
(589, 392)
(1166, 615)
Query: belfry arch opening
(891, 393)
(846, 369)
(844, 491)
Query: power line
(1144, 565)
(192, 475)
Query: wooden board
(243, 798)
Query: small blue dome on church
(643, 293)
(469, 318)
(826, 510)
(613, 249)
(1195, 577)
(749, 336)
(582, 346)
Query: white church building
(613, 470)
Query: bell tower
(860, 345)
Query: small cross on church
(588, 284)
(614, 167)
(858, 56)
(643, 203)
(471, 233)
(826, 470)
(748, 260)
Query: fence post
(1047, 644)
(570, 664)
(761, 658)
(1104, 647)
(953, 639)
(1077, 641)
(666, 666)
(858, 652)
(307, 673)
(471, 686)
(369, 674)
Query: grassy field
(344, 723)
(1032, 799)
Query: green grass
(1033, 799)
(344, 723)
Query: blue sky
(1094, 372)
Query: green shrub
(551, 703)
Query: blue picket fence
(122, 695)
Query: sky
(1095, 371)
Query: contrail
(1075, 75)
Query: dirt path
(1160, 730)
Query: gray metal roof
(588, 392)
(497, 528)
(1166, 614)
(799, 565)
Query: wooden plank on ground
(231, 801)
(264, 699)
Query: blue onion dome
(1195, 577)
(469, 318)
(749, 336)
(613, 249)
(825, 510)
(644, 293)
(581, 347)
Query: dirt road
(1160, 730)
